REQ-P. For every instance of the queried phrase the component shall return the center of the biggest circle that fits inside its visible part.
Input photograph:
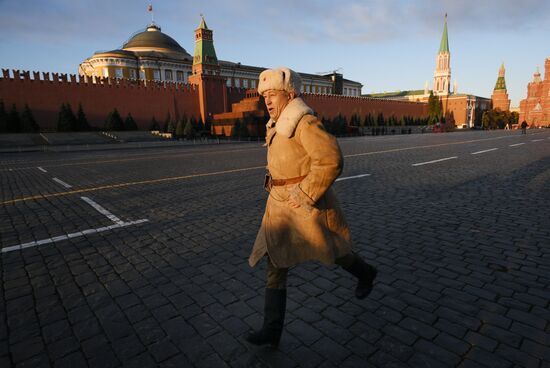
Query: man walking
(303, 219)
(524, 127)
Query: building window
(237, 82)
(228, 82)
(142, 74)
(118, 73)
(179, 76)
(156, 74)
(106, 72)
(132, 74)
(253, 84)
(345, 91)
(308, 89)
(168, 75)
(245, 83)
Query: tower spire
(442, 73)
(444, 45)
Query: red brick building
(535, 109)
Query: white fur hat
(281, 79)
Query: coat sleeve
(326, 160)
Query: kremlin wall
(45, 92)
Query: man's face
(276, 102)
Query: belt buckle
(268, 183)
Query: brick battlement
(71, 79)
(332, 97)
(329, 106)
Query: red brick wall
(329, 106)
(45, 97)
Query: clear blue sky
(386, 45)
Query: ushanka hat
(280, 79)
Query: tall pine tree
(130, 123)
(81, 120)
(14, 121)
(3, 118)
(28, 124)
(114, 121)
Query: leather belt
(281, 182)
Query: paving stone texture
(462, 249)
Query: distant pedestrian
(524, 127)
(303, 219)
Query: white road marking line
(352, 177)
(517, 144)
(487, 150)
(434, 161)
(41, 169)
(102, 210)
(72, 235)
(536, 140)
(62, 183)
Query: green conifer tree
(180, 128)
(167, 122)
(3, 118)
(130, 123)
(28, 123)
(14, 121)
(189, 130)
(66, 121)
(154, 125)
(114, 122)
(81, 120)
(380, 121)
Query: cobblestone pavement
(139, 257)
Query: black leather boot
(274, 319)
(365, 274)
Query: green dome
(152, 37)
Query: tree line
(68, 121)
(498, 119)
(183, 127)
(15, 122)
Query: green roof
(203, 25)
(501, 83)
(444, 46)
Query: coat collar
(290, 117)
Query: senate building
(151, 55)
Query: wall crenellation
(72, 79)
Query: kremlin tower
(442, 74)
(499, 97)
(206, 74)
